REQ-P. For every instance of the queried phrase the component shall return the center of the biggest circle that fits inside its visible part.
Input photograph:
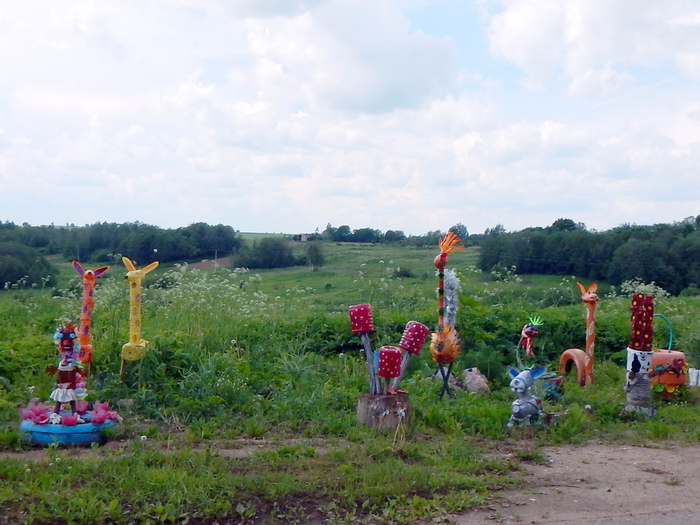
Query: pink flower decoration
(112, 414)
(81, 406)
(99, 405)
(69, 419)
(35, 412)
(98, 416)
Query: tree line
(369, 235)
(101, 241)
(668, 254)
(22, 247)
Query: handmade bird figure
(444, 346)
(134, 349)
(528, 333)
(88, 276)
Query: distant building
(305, 237)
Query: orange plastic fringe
(444, 346)
(448, 243)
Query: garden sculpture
(376, 409)
(639, 355)
(134, 349)
(46, 426)
(88, 276)
(362, 323)
(583, 360)
(411, 342)
(527, 334)
(70, 376)
(527, 409)
(669, 368)
(444, 346)
(389, 366)
(389, 362)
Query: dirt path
(600, 484)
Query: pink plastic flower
(69, 419)
(98, 416)
(35, 412)
(112, 414)
(99, 405)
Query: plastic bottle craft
(639, 355)
(389, 362)
(135, 348)
(70, 375)
(527, 334)
(46, 425)
(444, 346)
(526, 409)
(85, 355)
(583, 360)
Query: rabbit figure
(526, 409)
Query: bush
(22, 267)
(270, 252)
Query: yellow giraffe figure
(134, 349)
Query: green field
(243, 409)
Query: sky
(413, 115)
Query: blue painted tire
(75, 435)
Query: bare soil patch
(601, 484)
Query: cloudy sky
(413, 115)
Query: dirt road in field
(599, 484)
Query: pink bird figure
(528, 333)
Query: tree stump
(383, 411)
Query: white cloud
(594, 46)
(353, 55)
(278, 115)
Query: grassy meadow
(243, 409)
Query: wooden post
(374, 386)
(361, 323)
(404, 365)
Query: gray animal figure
(527, 409)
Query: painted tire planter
(82, 434)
